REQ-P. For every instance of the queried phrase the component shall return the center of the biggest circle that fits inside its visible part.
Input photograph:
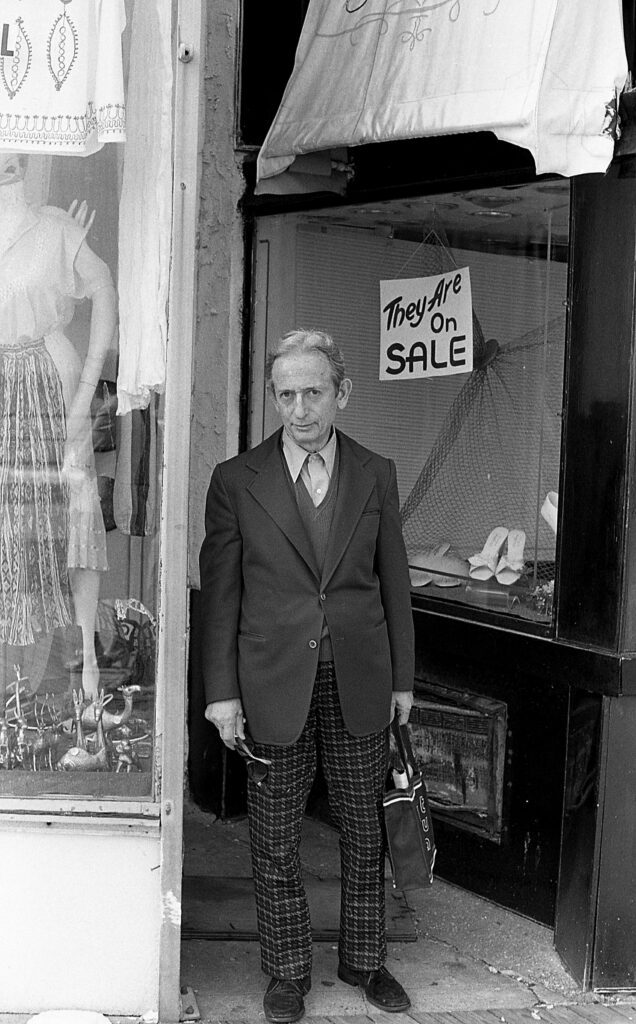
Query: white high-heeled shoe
(484, 564)
(549, 509)
(511, 564)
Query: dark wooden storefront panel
(615, 941)
(597, 413)
(519, 871)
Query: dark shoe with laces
(283, 1002)
(380, 988)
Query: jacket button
(312, 644)
(323, 597)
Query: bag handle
(403, 744)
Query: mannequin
(49, 572)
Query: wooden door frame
(189, 60)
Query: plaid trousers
(355, 769)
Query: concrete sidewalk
(470, 955)
(472, 962)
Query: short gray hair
(302, 340)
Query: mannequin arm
(103, 321)
(79, 212)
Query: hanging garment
(61, 75)
(49, 521)
(136, 492)
(145, 210)
(543, 74)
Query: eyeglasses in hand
(257, 767)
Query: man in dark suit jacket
(307, 639)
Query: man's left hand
(401, 703)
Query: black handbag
(103, 410)
(408, 822)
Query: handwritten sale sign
(426, 326)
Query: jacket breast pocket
(371, 512)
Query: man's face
(305, 396)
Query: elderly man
(307, 642)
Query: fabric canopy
(543, 74)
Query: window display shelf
(109, 812)
(20, 783)
(526, 598)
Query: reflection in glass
(477, 453)
(77, 594)
(80, 489)
(482, 514)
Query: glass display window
(478, 449)
(80, 488)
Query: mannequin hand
(401, 703)
(79, 213)
(227, 716)
(73, 470)
(76, 430)
(78, 421)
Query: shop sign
(426, 327)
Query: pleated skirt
(34, 499)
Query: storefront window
(79, 486)
(477, 451)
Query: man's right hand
(227, 716)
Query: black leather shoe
(380, 988)
(283, 1002)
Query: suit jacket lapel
(354, 488)
(270, 487)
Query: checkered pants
(354, 769)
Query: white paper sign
(426, 326)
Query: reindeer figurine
(48, 735)
(110, 720)
(22, 742)
(7, 745)
(78, 758)
(78, 708)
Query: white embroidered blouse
(44, 271)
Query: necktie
(318, 477)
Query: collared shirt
(296, 458)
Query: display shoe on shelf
(511, 563)
(439, 565)
(419, 563)
(484, 564)
(549, 509)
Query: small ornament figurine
(127, 758)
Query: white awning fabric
(542, 74)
